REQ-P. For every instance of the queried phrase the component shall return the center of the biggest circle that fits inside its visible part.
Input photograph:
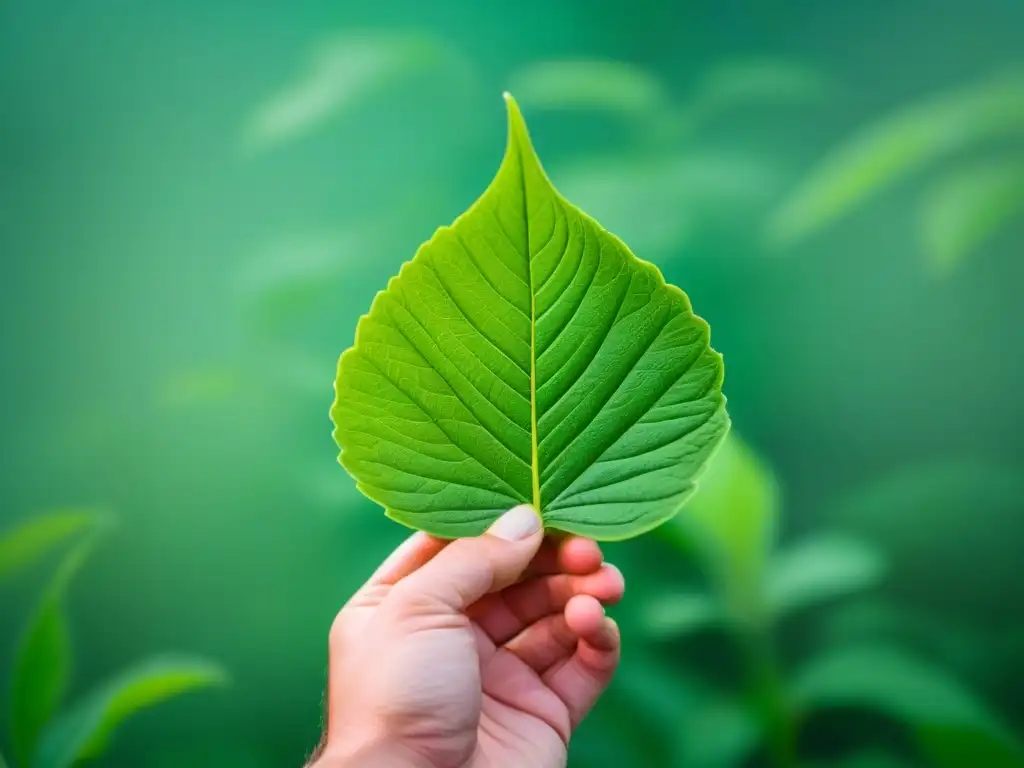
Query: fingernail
(518, 523)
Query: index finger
(411, 555)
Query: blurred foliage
(41, 735)
(963, 210)
(198, 200)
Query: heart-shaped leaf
(525, 355)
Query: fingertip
(616, 582)
(578, 555)
(584, 615)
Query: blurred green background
(199, 199)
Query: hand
(486, 651)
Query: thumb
(467, 569)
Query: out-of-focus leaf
(36, 537)
(944, 512)
(681, 613)
(612, 86)
(85, 730)
(889, 150)
(969, 206)
(753, 83)
(340, 72)
(614, 735)
(717, 732)
(942, 713)
(200, 386)
(957, 645)
(820, 569)
(291, 275)
(734, 515)
(43, 662)
(658, 204)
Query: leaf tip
(518, 136)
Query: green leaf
(43, 662)
(657, 203)
(718, 732)
(947, 718)
(969, 206)
(734, 517)
(36, 537)
(340, 72)
(85, 730)
(525, 355)
(823, 568)
(891, 149)
(751, 83)
(677, 614)
(612, 86)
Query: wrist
(373, 754)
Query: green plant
(525, 355)
(755, 589)
(967, 204)
(44, 734)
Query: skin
(484, 651)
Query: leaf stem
(770, 696)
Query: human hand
(484, 651)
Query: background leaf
(742, 84)
(85, 730)
(613, 86)
(35, 537)
(661, 203)
(892, 148)
(341, 71)
(822, 568)
(43, 662)
(963, 210)
(680, 613)
(886, 680)
(734, 516)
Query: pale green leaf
(36, 537)
(681, 613)
(946, 717)
(291, 276)
(85, 730)
(734, 517)
(969, 206)
(612, 86)
(339, 73)
(891, 149)
(525, 355)
(199, 386)
(43, 662)
(718, 732)
(658, 203)
(823, 568)
(753, 83)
